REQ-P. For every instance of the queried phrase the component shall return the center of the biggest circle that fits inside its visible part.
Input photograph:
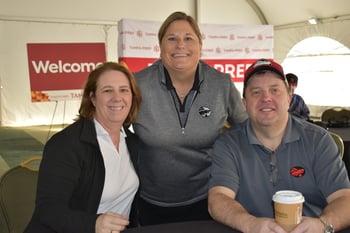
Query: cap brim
(265, 68)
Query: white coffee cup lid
(288, 197)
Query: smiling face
(180, 47)
(112, 99)
(267, 100)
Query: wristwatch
(328, 228)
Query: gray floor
(18, 144)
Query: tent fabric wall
(60, 22)
(285, 39)
(15, 99)
(16, 108)
(32, 24)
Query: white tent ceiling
(297, 12)
(273, 12)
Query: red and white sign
(229, 48)
(58, 71)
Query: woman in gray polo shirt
(185, 105)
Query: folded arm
(225, 209)
(337, 212)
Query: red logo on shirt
(297, 171)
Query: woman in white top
(87, 177)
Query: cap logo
(262, 62)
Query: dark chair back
(336, 117)
(17, 196)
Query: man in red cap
(272, 151)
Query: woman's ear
(92, 98)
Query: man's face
(267, 100)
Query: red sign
(235, 68)
(136, 63)
(62, 66)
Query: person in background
(297, 105)
(271, 151)
(87, 177)
(185, 105)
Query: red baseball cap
(264, 65)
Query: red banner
(136, 63)
(235, 68)
(58, 71)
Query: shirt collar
(169, 83)
(100, 131)
(291, 133)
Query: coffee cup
(288, 207)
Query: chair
(339, 141)
(336, 117)
(17, 196)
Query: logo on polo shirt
(204, 111)
(297, 171)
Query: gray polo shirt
(307, 161)
(175, 155)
